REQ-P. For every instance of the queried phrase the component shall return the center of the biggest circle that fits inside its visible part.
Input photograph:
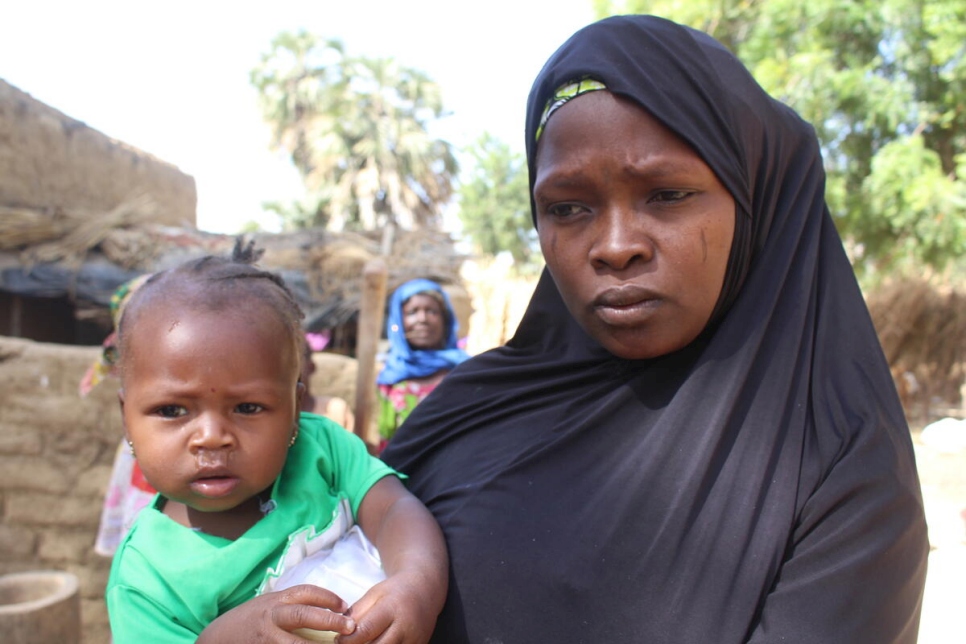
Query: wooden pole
(371, 313)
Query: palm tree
(357, 131)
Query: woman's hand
(271, 618)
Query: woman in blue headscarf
(422, 333)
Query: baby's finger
(309, 595)
(312, 613)
(372, 626)
(301, 616)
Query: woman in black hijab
(693, 436)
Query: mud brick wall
(49, 160)
(56, 451)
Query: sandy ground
(942, 471)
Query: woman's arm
(404, 607)
(856, 567)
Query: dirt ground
(942, 471)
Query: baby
(248, 488)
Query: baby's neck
(229, 524)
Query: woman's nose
(621, 238)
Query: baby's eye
(248, 408)
(171, 411)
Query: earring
(130, 446)
(295, 435)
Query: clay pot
(40, 607)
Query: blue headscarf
(404, 362)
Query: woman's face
(424, 322)
(636, 229)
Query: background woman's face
(424, 322)
(636, 229)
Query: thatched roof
(87, 256)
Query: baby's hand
(275, 618)
(392, 611)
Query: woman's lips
(626, 305)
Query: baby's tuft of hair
(247, 253)
(216, 284)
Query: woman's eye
(671, 196)
(564, 210)
(248, 408)
(171, 411)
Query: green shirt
(168, 582)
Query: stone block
(59, 546)
(34, 508)
(93, 482)
(95, 612)
(20, 440)
(20, 565)
(92, 578)
(17, 542)
(96, 629)
(73, 449)
(33, 473)
(95, 575)
(17, 412)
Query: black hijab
(758, 485)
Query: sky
(172, 78)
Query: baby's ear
(299, 393)
(120, 401)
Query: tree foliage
(884, 84)
(495, 205)
(357, 131)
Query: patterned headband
(564, 93)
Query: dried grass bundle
(90, 230)
(131, 248)
(922, 329)
(61, 235)
(20, 227)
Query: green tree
(884, 84)
(495, 206)
(357, 130)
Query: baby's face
(209, 402)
